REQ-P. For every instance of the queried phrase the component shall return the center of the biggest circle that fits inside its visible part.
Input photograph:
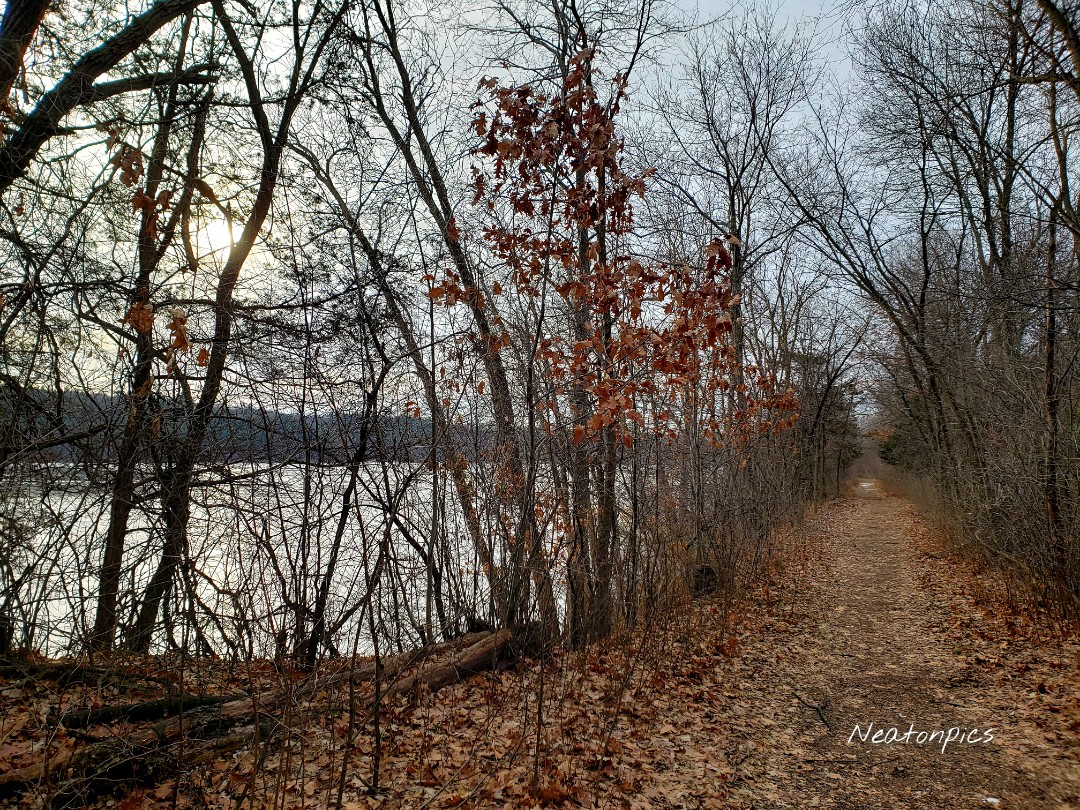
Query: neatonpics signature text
(944, 737)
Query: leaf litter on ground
(714, 708)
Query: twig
(819, 709)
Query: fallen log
(482, 655)
(67, 673)
(48, 670)
(143, 754)
(148, 710)
(390, 668)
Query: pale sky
(825, 18)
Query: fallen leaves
(700, 713)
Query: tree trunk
(21, 20)
(426, 171)
(150, 252)
(1052, 486)
(176, 503)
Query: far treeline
(361, 325)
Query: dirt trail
(878, 643)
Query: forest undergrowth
(613, 719)
(745, 706)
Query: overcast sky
(824, 16)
